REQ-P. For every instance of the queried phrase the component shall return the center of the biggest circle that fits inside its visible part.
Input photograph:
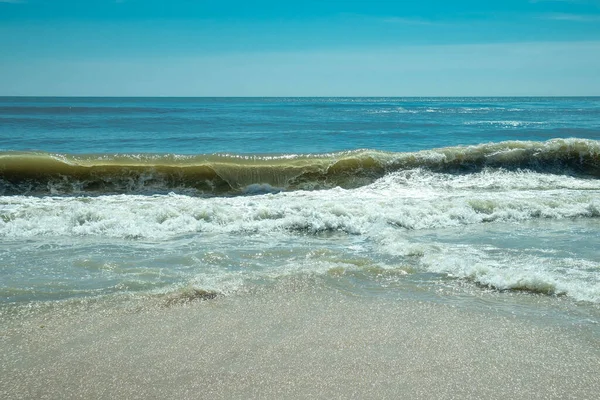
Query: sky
(299, 48)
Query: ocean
(245, 221)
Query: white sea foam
(393, 110)
(577, 278)
(409, 199)
(382, 214)
(505, 124)
(509, 258)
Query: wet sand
(298, 344)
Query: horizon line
(287, 97)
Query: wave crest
(37, 173)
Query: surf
(43, 173)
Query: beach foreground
(298, 343)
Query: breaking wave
(38, 173)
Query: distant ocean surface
(455, 200)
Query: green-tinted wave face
(45, 173)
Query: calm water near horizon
(286, 125)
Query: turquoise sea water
(456, 200)
(286, 125)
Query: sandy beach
(301, 344)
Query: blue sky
(299, 48)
